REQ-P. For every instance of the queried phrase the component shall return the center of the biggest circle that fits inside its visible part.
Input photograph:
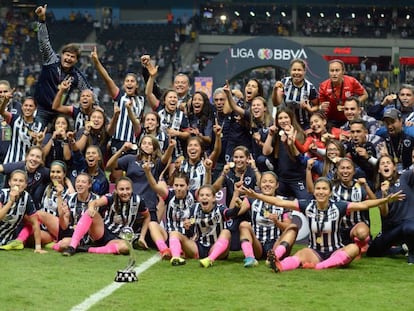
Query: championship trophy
(128, 274)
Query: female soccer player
(325, 249)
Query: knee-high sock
(338, 258)
(81, 229)
(175, 246)
(161, 245)
(290, 263)
(218, 248)
(25, 233)
(280, 250)
(247, 248)
(107, 249)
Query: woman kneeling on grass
(122, 210)
(325, 249)
(271, 228)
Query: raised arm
(277, 93)
(110, 84)
(136, 124)
(364, 205)
(217, 143)
(239, 110)
(152, 99)
(48, 54)
(160, 188)
(111, 127)
(293, 205)
(58, 100)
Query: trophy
(128, 274)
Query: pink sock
(25, 233)
(247, 249)
(175, 246)
(107, 249)
(218, 248)
(161, 245)
(290, 263)
(81, 229)
(280, 251)
(338, 258)
(56, 246)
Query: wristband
(38, 247)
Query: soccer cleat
(13, 245)
(250, 262)
(177, 261)
(206, 262)
(83, 248)
(274, 261)
(50, 245)
(166, 254)
(69, 251)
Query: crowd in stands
(76, 175)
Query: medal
(396, 160)
(319, 240)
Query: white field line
(108, 290)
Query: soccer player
(325, 249)
(16, 207)
(271, 227)
(397, 218)
(121, 210)
(297, 93)
(334, 91)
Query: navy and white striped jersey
(177, 211)
(21, 140)
(355, 193)
(324, 225)
(11, 221)
(176, 121)
(162, 138)
(294, 95)
(196, 173)
(124, 130)
(208, 226)
(79, 118)
(77, 207)
(265, 229)
(49, 200)
(120, 215)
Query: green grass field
(53, 282)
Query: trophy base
(126, 276)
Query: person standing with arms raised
(55, 70)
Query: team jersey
(293, 95)
(208, 226)
(36, 182)
(14, 217)
(336, 95)
(162, 138)
(49, 200)
(77, 207)
(21, 140)
(124, 130)
(196, 173)
(120, 215)
(265, 229)
(324, 226)
(134, 170)
(79, 118)
(177, 211)
(176, 121)
(355, 193)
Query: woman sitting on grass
(122, 208)
(325, 249)
(271, 227)
(397, 218)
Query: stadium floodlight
(407, 17)
(252, 14)
(223, 18)
(322, 15)
(308, 14)
(382, 15)
(236, 13)
(283, 14)
(353, 15)
(369, 16)
(267, 14)
(337, 15)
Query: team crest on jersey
(248, 180)
(37, 176)
(356, 195)
(407, 143)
